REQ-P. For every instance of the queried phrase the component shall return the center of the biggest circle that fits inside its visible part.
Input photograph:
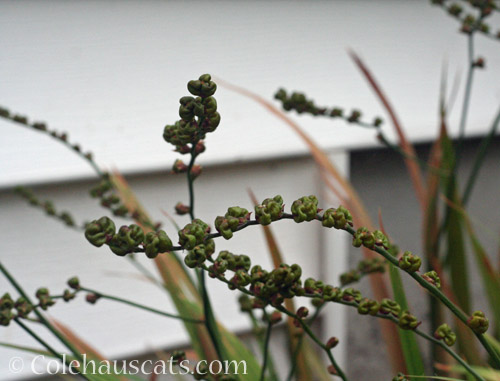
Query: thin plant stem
(141, 306)
(51, 133)
(467, 94)
(299, 345)
(261, 339)
(40, 316)
(48, 346)
(480, 158)
(265, 353)
(210, 322)
(311, 334)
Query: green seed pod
(363, 237)
(478, 322)
(208, 87)
(237, 216)
(193, 234)
(433, 278)
(222, 226)
(258, 274)
(119, 247)
(195, 258)
(336, 112)
(349, 277)
(305, 209)
(211, 122)
(68, 295)
(354, 117)
(179, 167)
(120, 211)
(198, 108)
(157, 242)
(100, 231)
(331, 293)
(194, 87)
(310, 286)
(242, 262)
(245, 303)
(132, 235)
(317, 302)
(44, 298)
(228, 257)
(339, 218)
(186, 108)
(23, 307)
(400, 377)
(388, 306)
(74, 283)
(210, 105)
(373, 265)
(6, 317)
(241, 278)
(368, 306)
(280, 95)
(67, 219)
(444, 332)
(220, 266)
(381, 239)
(49, 208)
(352, 295)
(6, 302)
(408, 321)
(270, 210)
(409, 262)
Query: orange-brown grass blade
(353, 202)
(405, 145)
(78, 342)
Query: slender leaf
(406, 146)
(411, 350)
(488, 373)
(34, 351)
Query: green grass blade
(411, 351)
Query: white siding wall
(111, 73)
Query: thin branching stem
(311, 334)
(480, 158)
(141, 306)
(299, 345)
(467, 94)
(210, 322)
(265, 352)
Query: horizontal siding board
(110, 74)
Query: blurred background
(110, 73)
